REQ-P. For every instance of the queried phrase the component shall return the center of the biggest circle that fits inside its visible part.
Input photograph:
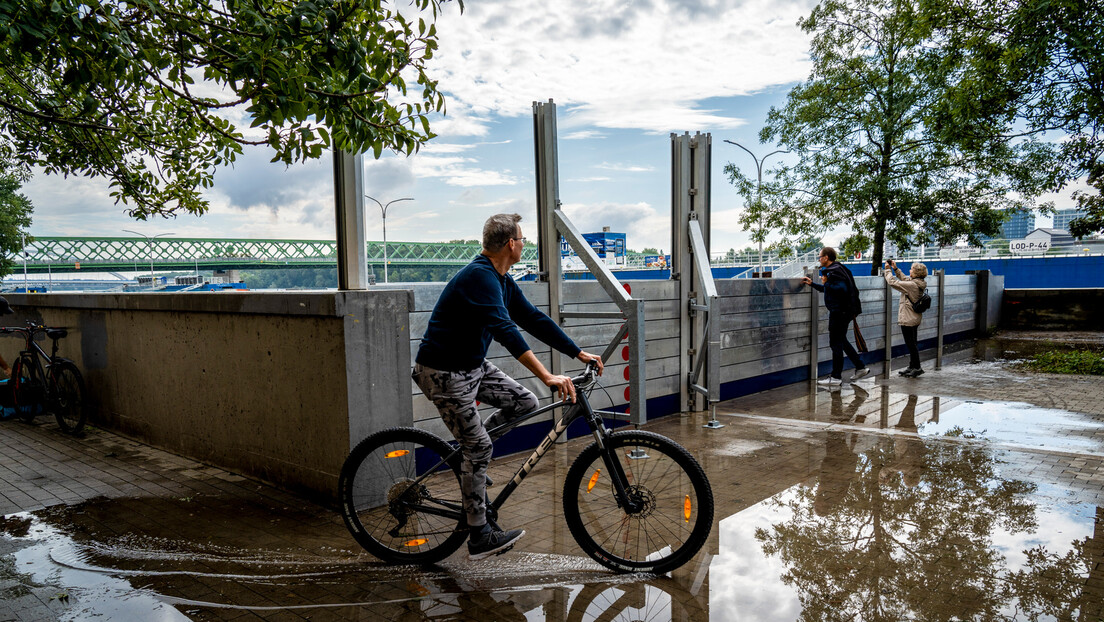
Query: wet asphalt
(973, 492)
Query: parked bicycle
(635, 501)
(46, 383)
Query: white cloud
(614, 64)
(583, 135)
(625, 168)
(643, 225)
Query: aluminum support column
(548, 202)
(888, 329)
(352, 245)
(691, 158)
(814, 328)
(941, 279)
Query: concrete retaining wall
(275, 385)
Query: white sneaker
(830, 382)
(860, 373)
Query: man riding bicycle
(482, 302)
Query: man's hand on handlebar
(587, 357)
(563, 385)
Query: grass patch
(1083, 362)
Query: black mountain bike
(46, 382)
(635, 501)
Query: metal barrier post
(941, 279)
(888, 329)
(814, 329)
(548, 201)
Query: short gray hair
(918, 271)
(499, 230)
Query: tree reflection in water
(905, 530)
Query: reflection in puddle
(895, 527)
(108, 575)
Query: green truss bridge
(68, 254)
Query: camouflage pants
(454, 394)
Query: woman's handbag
(860, 343)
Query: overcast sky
(623, 75)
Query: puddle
(91, 562)
(1021, 425)
(905, 528)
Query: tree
(147, 93)
(1032, 67)
(867, 154)
(15, 218)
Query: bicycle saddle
(56, 333)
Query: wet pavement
(973, 492)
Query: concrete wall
(1053, 309)
(275, 385)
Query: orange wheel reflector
(417, 542)
(593, 480)
(686, 507)
(398, 453)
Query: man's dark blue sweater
(478, 305)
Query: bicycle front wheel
(392, 514)
(67, 401)
(670, 511)
(27, 388)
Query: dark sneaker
(916, 372)
(860, 373)
(906, 372)
(491, 542)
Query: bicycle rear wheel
(27, 388)
(67, 401)
(673, 502)
(391, 516)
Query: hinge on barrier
(691, 352)
(693, 193)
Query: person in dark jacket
(482, 302)
(841, 297)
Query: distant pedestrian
(841, 298)
(912, 288)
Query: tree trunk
(879, 235)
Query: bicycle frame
(581, 408)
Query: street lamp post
(383, 211)
(23, 234)
(149, 241)
(758, 192)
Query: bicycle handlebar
(587, 377)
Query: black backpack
(923, 304)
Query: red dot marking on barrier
(628, 288)
(625, 353)
(626, 394)
(626, 373)
(477, 402)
